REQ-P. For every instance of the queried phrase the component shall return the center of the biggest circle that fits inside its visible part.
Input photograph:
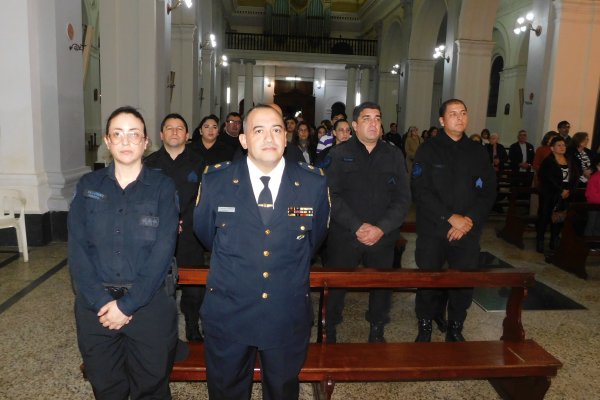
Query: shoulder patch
(217, 167)
(308, 167)
(417, 170)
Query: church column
(419, 83)
(136, 59)
(511, 80)
(207, 87)
(350, 89)
(234, 68)
(42, 142)
(472, 84)
(249, 85)
(365, 84)
(565, 85)
(182, 46)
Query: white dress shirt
(257, 186)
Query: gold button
(211, 289)
(223, 225)
(265, 274)
(265, 295)
(236, 181)
(302, 228)
(267, 232)
(296, 183)
(266, 253)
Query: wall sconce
(224, 61)
(319, 84)
(268, 82)
(77, 47)
(177, 3)
(211, 42)
(525, 24)
(396, 70)
(440, 52)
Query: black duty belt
(116, 292)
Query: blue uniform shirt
(122, 237)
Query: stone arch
(390, 53)
(476, 22)
(427, 18)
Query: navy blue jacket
(258, 289)
(122, 237)
(452, 177)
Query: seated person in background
(521, 153)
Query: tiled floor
(39, 357)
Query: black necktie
(265, 201)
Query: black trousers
(191, 301)
(135, 360)
(345, 252)
(230, 366)
(431, 254)
(547, 204)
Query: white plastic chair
(12, 202)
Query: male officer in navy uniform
(264, 218)
(454, 188)
(369, 198)
(185, 167)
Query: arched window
(497, 67)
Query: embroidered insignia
(479, 183)
(391, 181)
(417, 170)
(149, 221)
(300, 212)
(94, 195)
(192, 177)
(348, 159)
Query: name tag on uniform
(300, 212)
(94, 195)
(149, 221)
(226, 209)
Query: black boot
(441, 323)
(376, 333)
(192, 330)
(539, 246)
(424, 331)
(454, 333)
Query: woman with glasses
(122, 230)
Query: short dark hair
(233, 114)
(173, 116)
(562, 124)
(363, 106)
(521, 131)
(211, 116)
(393, 124)
(126, 110)
(445, 104)
(338, 108)
(289, 117)
(259, 106)
(547, 136)
(556, 139)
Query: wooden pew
(517, 222)
(517, 368)
(575, 246)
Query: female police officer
(122, 230)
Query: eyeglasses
(133, 137)
(232, 121)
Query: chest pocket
(227, 236)
(299, 229)
(146, 221)
(99, 215)
(352, 179)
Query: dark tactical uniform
(121, 241)
(365, 187)
(258, 294)
(448, 178)
(186, 171)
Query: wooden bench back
(367, 278)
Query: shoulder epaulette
(216, 167)
(310, 168)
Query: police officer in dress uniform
(263, 217)
(454, 189)
(185, 167)
(370, 197)
(122, 232)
